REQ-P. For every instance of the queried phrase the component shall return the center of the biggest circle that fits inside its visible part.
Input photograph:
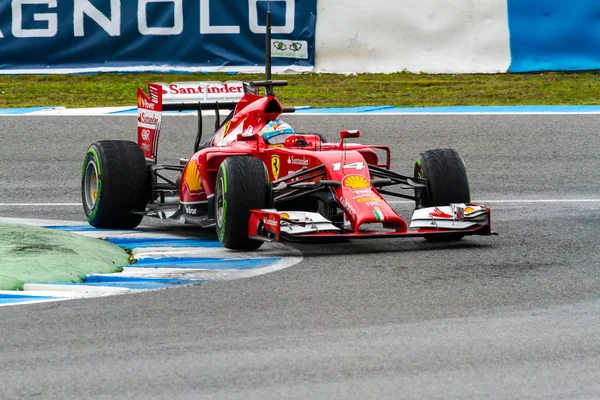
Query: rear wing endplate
(183, 96)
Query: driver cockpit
(280, 134)
(275, 132)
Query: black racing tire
(115, 181)
(447, 182)
(242, 185)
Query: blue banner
(122, 35)
(554, 35)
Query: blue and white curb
(164, 259)
(29, 110)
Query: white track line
(185, 252)
(516, 201)
(40, 204)
(41, 222)
(441, 114)
(521, 201)
(507, 201)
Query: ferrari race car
(258, 180)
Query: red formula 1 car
(258, 180)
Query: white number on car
(356, 165)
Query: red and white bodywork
(343, 167)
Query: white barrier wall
(436, 36)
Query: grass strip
(319, 90)
(37, 255)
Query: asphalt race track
(513, 316)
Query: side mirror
(345, 134)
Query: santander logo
(143, 119)
(297, 161)
(195, 88)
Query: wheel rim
(90, 188)
(220, 200)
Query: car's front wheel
(242, 185)
(447, 183)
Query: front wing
(463, 219)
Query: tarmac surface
(512, 316)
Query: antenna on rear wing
(268, 83)
(268, 61)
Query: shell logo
(469, 210)
(356, 182)
(285, 215)
(192, 178)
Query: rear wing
(180, 93)
(183, 96)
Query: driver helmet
(275, 132)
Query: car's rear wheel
(447, 183)
(242, 185)
(115, 181)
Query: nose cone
(363, 205)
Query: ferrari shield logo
(275, 166)
(226, 128)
